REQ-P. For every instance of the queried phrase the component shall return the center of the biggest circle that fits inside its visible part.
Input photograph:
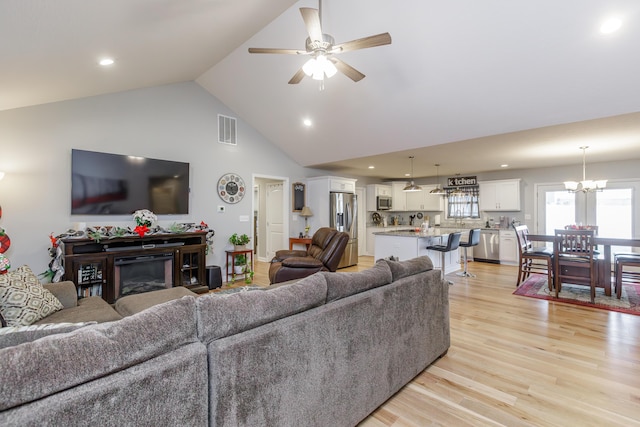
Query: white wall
(173, 122)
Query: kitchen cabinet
(371, 240)
(415, 200)
(501, 195)
(423, 200)
(399, 197)
(375, 190)
(342, 185)
(508, 247)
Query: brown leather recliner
(324, 253)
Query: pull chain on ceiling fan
(322, 48)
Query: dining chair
(574, 259)
(533, 259)
(626, 265)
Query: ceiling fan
(322, 48)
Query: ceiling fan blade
(297, 77)
(311, 19)
(363, 43)
(270, 50)
(347, 70)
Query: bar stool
(452, 244)
(474, 239)
(622, 260)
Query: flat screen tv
(114, 184)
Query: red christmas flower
(141, 230)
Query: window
(614, 210)
(560, 210)
(462, 203)
(614, 213)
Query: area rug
(238, 289)
(536, 287)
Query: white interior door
(275, 221)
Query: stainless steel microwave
(383, 203)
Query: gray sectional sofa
(326, 350)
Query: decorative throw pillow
(23, 300)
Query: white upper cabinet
(415, 200)
(423, 201)
(399, 197)
(501, 195)
(342, 185)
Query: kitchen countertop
(410, 232)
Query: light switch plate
(244, 218)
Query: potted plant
(248, 276)
(239, 241)
(240, 264)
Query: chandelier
(410, 185)
(586, 185)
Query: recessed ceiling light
(610, 26)
(504, 166)
(407, 174)
(106, 61)
(307, 122)
(372, 167)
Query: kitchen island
(408, 244)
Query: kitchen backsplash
(405, 219)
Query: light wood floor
(517, 361)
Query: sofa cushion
(132, 304)
(400, 269)
(341, 285)
(23, 300)
(65, 291)
(88, 309)
(224, 315)
(14, 335)
(33, 370)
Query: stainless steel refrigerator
(343, 217)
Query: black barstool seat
(474, 240)
(453, 241)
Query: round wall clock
(231, 188)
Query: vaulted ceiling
(467, 84)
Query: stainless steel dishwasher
(488, 250)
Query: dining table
(603, 278)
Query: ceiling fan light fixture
(318, 67)
(329, 69)
(322, 47)
(309, 67)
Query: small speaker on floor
(214, 276)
